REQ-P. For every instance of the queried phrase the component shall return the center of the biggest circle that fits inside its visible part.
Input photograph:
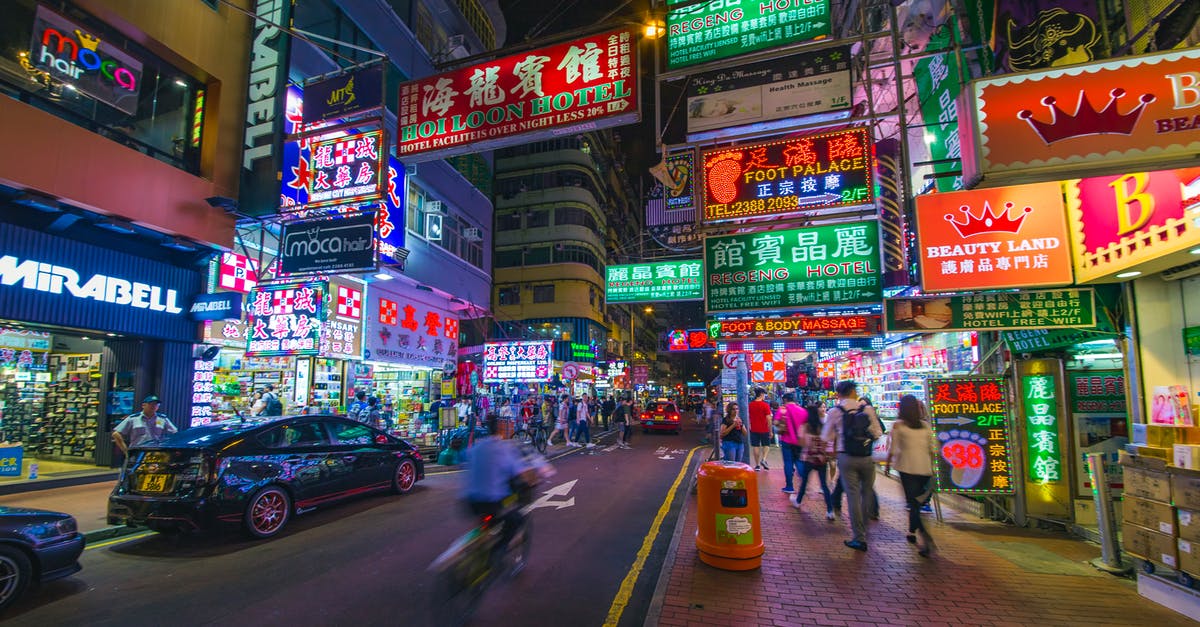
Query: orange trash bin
(728, 525)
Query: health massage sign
(789, 176)
(824, 265)
(656, 281)
(589, 81)
(974, 440)
(795, 327)
(722, 29)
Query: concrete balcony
(558, 234)
(551, 195)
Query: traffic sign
(570, 371)
(730, 360)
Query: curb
(109, 533)
(654, 612)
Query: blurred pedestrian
(561, 421)
(815, 457)
(790, 420)
(733, 435)
(607, 409)
(912, 452)
(855, 427)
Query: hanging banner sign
(340, 245)
(1002, 237)
(796, 327)
(403, 330)
(938, 85)
(591, 81)
(1097, 116)
(1039, 400)
(970, 420)
(266, 106)
(717, 30)
(824, 265)
(72, 54)
(654, 282)
(518, 362)
(1144, 221)
(793, 86)
(1038, 309)
(679, 181)
(342, 331)
(344, 95)
(345, 170)
(789, 176)
(285, 320)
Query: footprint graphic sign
(973, 436)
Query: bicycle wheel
(458, 588)
(517, 555)
(539, 441)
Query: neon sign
(100, 70)
(285, 320)
(345, 170)
(517, 361)
(1039, 398)
(803, 174)
(970, 419)
(851, 325)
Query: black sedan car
(35, 546)
(258, 473)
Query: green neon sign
(704, 32)
(1039, 399)
(654, 282)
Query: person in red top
(760, 429)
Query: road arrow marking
(557, 505)
(547, 498)
(666, 457)
(679, 452)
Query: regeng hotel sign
(583, 84)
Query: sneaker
(829, 515)
(756, 469)
(788, 491)
(794, 501)
(591, 445)
(856, 545)
(765, 466)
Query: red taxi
(661, 415)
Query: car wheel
(405, 476)
(268, 511)
(15, 573)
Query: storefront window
(152, 110)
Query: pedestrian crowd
(841, 444)
(570, 419)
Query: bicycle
(472, 564)
(535, 433)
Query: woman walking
(914, 446)
(816, 457)
(733, 435)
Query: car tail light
(674, 417)
(645, 416)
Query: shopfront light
(1129, 275)
(1195, 251)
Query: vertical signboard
(266, 102)
(1096, 400)
(938, 85)
(1044, 450)
(970, 420)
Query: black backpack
(573, 412)
(856, 433)
(273, 406)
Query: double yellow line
(136, 536)
(621, 601)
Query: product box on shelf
(1189, 556)
(1186, 456)
(1146, 478)
(1149, 544)
(1150, 514)
(1157, 452)
(1185, 488)
(1189, 524)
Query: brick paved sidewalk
(983, 573)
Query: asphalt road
(364, 561)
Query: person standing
(372, 415)
(463, 408)
(147, 425)
(913, 448)
(354, 412)
(760, 429)
(733, 435)
(854, 427)
(791, 419)
(815, 458)
(561, 421)
(583, 416)
(606, 410)
(259, 405)
(621, 421)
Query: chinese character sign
(202, 391)
(796, 327)
(719, 30)
(512, 362)
(345, 170)
(973, 437)
(402, 330)
(1096, 401)
(1034, 309)
(654, 281)
(285, 320)
(1039, 400)
(790, 176)
(592, 80)
(938, 85)
(825, 265)
(1002, 237)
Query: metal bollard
(1110, 554)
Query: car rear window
(663, 407)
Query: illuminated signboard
(1037, 309)
(677, 340)
(588, 81)
(654, 281)
(1002, 237)
(285, 320)
(699, 340)
(512, 362)
(970, 419)
(24, 349)
(681, 180)
(824, 265)
(403, 330)
(342, 330)
(1096, 401)
(74, 55)
(788, 176)
(722, 29)
(790, 327)
(202, 391)
(345, 170)
(1039, 400)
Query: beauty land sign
(995, 238)
(1097, 117)
(586, 83)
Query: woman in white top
(914, 445)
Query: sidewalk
(983, 573)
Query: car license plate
(154, 483)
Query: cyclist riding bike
(498, 477)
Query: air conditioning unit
(473, 234)
(1181, 272)
(434, 206)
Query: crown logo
(988, 221)
(87, 40)
(1086, 120)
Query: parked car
(661, 415)
(258, 473)
(35, 546)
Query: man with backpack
(607, 409)
(273, 407)
(854, 427)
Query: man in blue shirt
(488, 483)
